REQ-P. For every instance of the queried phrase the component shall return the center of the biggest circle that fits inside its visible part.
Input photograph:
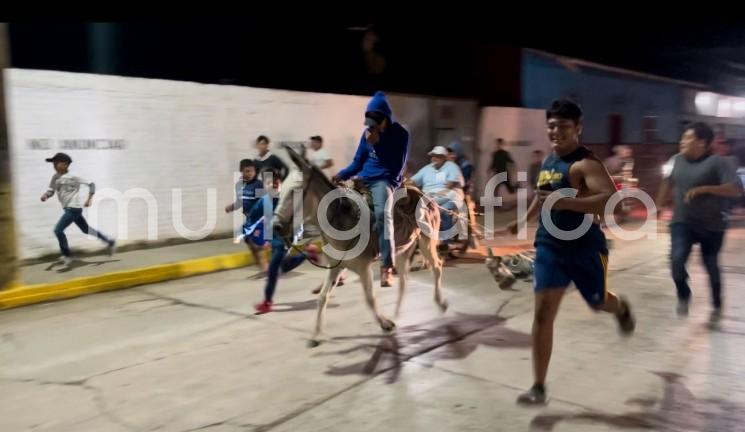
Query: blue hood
(466, 167)
(379, 103)
(386, 159)
(457, 148)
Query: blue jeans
(279, 263)
(381, 192)
(70, 216)
(684, 236)
(446, 218)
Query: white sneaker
(66, 262)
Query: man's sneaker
(715, 317)
(535, 396)
(111, 247)
(626, 321)
(682, 308)
(263, 307)
(66, 262)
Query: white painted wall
(524, 130)
(178, 136)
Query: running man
(702, 183)
(245, 197)
(268, 160)
(561, 261)
(258, 219)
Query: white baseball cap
(439, 151)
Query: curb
(24, 295)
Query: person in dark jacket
(379, 162)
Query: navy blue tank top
(248, 196)
(554, 175)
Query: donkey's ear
(297, 159)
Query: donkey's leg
(323, 299)
(403, 259)
(428, 247)
(366, 276)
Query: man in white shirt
(442, 181)
(318, 156)
(67, 188)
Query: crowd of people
(700, 182)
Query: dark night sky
(434, 57)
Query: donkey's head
(304, 184)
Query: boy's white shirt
(67, 188)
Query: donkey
(414, 224)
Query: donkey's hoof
(387, 325)
(443, 306)
(314, 343)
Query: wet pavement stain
(678, 410)
(451, 338)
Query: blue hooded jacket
(465, 165)
(386, 159)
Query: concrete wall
(523, 130)
(165, 141)
(602, 94)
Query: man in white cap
(442, 181)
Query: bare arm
(728, 190)
(730, 185)
(663, 194)
(599, 186)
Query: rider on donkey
(379, 163)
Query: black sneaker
(111, 247)
(682, 308)
(535, 396)
(715, 318)
(626, 321)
